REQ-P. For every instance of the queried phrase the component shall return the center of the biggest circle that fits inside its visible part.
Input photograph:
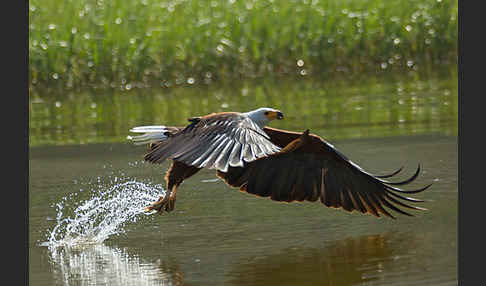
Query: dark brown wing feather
(215, 141)
(309, 168)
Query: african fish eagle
(268, 162)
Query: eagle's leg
(170, 205)
(176, 174)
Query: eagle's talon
(166, 203)
(158, 206)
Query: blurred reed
(76, 43)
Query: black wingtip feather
(389, 175)
(407, 180)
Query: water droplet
(58, 104)
(86, 36)
(224, 105)
(52, 26)
(384, 65)
(128, 86)
(300, 63)
(73, 30)
(409, 63)
(244, 91)
(226, 42)
(303, 72)
(396, 41)
(118, 21)
(63, 44)
(55, 76)
(190, 80)
(132, 41)
(220, 48)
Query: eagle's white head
(263, 115)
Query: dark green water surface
(337, 109)
(220, 236)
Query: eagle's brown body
(288, 166)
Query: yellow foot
(163, 204)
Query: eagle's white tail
(152, 134)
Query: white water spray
(102, 215)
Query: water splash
(105, 213)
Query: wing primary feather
(263, 183)
(406, 181)
(389, 175)
(345, 200)
(376, 201)
(369, 207)
(403, 204)
(297, 193)
(357, 203)
(311, 178)
(280, 187)
(404, 198)
(315, 191)
(391, 206)
(409, 192)
(323, 186)
(254, 177)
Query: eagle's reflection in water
(99, 264)
(350, 261)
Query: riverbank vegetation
(102, 43)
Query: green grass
(100, 42)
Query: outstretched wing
(310, 169)
(215, 141)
